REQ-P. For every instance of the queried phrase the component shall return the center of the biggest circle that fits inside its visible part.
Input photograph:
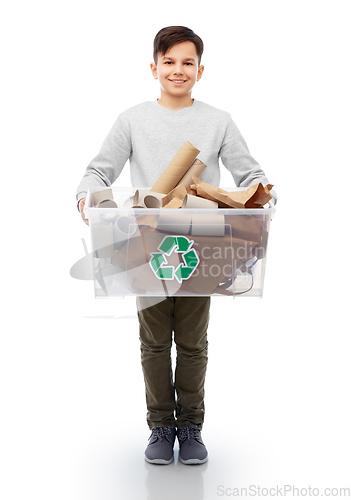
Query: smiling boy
(149, 135)
(177, 72)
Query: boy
(149, 135)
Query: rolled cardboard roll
(176, 222)
(196, 169)
(151, 201)
(147, 199)
(176, 169)
(207, 225)
(139, 195)
(191, 201)
(104, 194)
(107, 204)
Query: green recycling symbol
(178, 244)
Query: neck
(175, 103)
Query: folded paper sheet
(176, 169)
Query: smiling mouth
(177, 81)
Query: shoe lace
(161, 432)
(188, 433)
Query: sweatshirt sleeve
(104, 169)
(237, 159)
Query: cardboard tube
(196, 169)
(147, 199)
(139, 195)
(191, 201)
(104, 194)
(175, 223)
(207, 225)
(107, 204)
(151, 201)
(176, 169)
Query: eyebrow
(187, 59)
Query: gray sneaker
(160, 447)
(191, 447)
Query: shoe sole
(193, 461)
(159, 461)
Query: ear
(199, 72)
(154, 70)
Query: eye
(189, 63)
(168, 62)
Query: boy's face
(178, 70)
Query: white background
(278, 385)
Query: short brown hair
(166, 38)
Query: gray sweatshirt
(149, 136)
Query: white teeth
(178, 81)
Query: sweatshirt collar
(178, 111)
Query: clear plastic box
(176, 252)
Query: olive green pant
(179, 401)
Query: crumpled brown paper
(174, 198)
(254, 197)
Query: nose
(177, 69)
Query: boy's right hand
(81, 204)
